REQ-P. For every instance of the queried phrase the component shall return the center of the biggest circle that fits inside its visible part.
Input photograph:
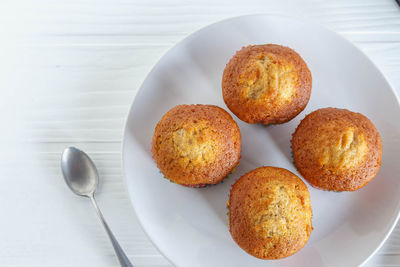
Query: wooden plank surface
(71, 80)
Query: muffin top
(270, 213)
(336, 149)
(266, 84)
(196, 144)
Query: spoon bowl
(79, 172)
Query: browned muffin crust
(196, 144)
(266, 84)
(336, 149)
(270, 213)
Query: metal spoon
(81, 176)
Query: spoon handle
(123, 259)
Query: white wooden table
(71, 80)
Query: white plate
(189, 226)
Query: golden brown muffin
(270, 213)
(266, 84)
(336, 149)
(196, 145)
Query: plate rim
(190, 35)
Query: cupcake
(336, 149)
(267, 84)
(270, 213)
(196, 145)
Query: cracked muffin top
(266, 84)
(196, 144)
(270, 213)
(336, 149)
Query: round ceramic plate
(189, 226)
